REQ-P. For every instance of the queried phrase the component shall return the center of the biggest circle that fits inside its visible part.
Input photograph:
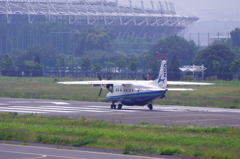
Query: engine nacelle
(104, 86)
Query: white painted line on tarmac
(4, 104)
(204, 109)
(60, 103)
(19, 101)
(20, 111)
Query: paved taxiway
(160, 115)
(50, 151)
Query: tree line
(86, 50)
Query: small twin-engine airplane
(135, 92)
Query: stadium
(161, 19)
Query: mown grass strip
(219, 143)
(224, 94)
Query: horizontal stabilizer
(150, 89)
(188, 83)
(181, 89)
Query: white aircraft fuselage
(134, 94)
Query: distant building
(219, 38)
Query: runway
(160, 115)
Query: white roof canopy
(193, 68)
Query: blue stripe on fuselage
(141, 98)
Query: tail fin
(162, 77)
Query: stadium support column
(161, 7)
(172, 8)
(7, 10)
(104, 17)
(69, 20)
(48, 7)
(166, 4)
(144, 12)
(86, 10)
(154, 12)
(29, 18)
(120, 17)
(134, 20)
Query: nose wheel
(150, 106)
(119, 106)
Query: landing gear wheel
(150, 106)
(119, 106)
(114, 106)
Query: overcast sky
(226, 9)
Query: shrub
(169, 150)
(84, 141)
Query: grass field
(142, 138)
(225, 94)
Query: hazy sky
(226, 8)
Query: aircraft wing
(188, 83)
(181, 89)
(97, 82)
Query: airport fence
(140, 75)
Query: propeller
(99, 77)
(107, 86)
(144, 77)
(100, 92)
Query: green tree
(97, 68)
(109, 65)
(72, 62)
(7, 67)
(96, 41)
(173, 70)
(235, 65)
(121, 64)
(29, 67)
(213, 56)
(216, 66)
(59, 63)
(85, 64)
(60, 66)
(134, 66)
(235, 36)
(106, 29)
(90, 39)
(80, 42)
(37, 71)
(175, 45)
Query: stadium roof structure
(161, 17)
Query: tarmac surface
(16, 150)
(161, 114)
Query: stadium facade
(128, 20)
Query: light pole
(129, 58)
